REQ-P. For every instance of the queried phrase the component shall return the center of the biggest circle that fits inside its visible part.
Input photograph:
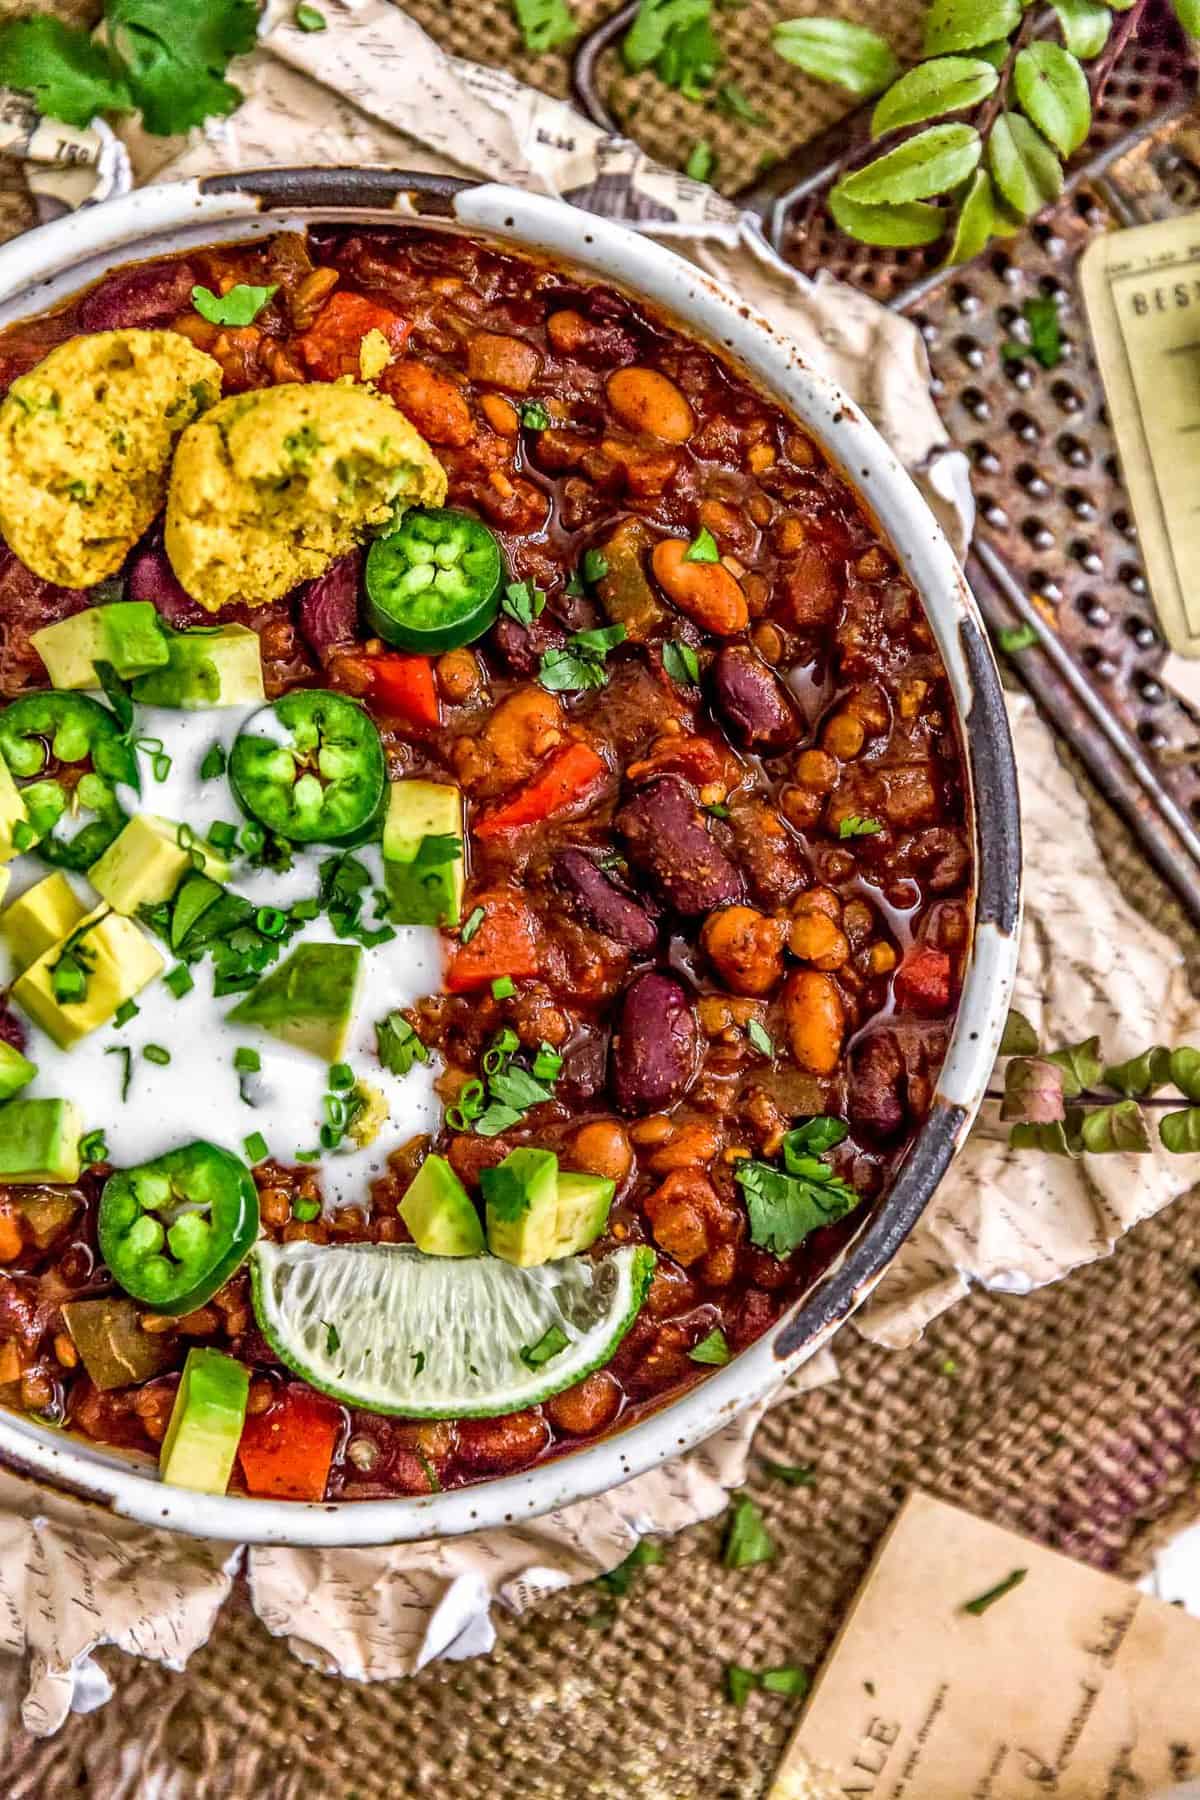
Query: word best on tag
(975, 1665)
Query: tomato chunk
(286, 1451)
(568, 776)
(505, 942)
(331, 344)
(403, 687)
(922, 982)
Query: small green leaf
(240, 306)
(681, 662)
(1019, 1038)
(1053, 92)
(760, 1038)
(1033, 1091)
(1185, 1071)
(1141, 1075)
(786, 1680)
(1061, 1138)
(945, 85)
(740, 1683)
(1024, 167)
(71, 77)
(791, 1474)
(703, 548)
(965, 24)
(833, 50)
(981, 217)
(1186, 11)
(545, 24)
(1120, 1127)
(896, 227)
(1180, 1131)
(711, 1349)
(1085, 25)
(747, 1539)
(1012, 638)
(1081, 1064)
(700, 162)
(929, 163)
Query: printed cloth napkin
(373, 88)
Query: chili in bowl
(512, 845)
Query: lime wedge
(384, 1327)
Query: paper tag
(1142, 292)
(1068, 1683)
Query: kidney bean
(329, 605)
(616, 914)
(654, 1051)
(666, 836)
(149, 295)
(150, 577)
(705, 591)
(752, 700)
(816, 1020)
(875, 1093)
(645, 400)
(745, 948)
(523, 646)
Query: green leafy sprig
(1070, 1100)
(969, 141)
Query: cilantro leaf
(175, 53)
(1012, 638)
(240, 306)
(523, 602)
(785, 1207)
(398, 1045)
(681, 662)
(701, 161)
(711, 1349)
(506, 1194)
(70, 77)
(813, 1138)
(545, 24)
(580, 662)
(791, 1474)
(676, 37)
(552, 1340)
(703, 547)
(731, 101)
(855, 825)
(1040, 312)
(534, 416)
(644, 1554)
(760, 1038)
(747, 1540)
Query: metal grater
(1055, 544)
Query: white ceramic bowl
(45, 266)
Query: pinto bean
(654, 1049)
(502, 361)
(706, 592)
(666, 836)
(753, 701)
(602, 1147)
(494, 1446)
(692, 1146)
(745, 948)
(431, 401)
(816, 1020)
(645, 400)
(458, 675)
(616, 914)
(589, 1406)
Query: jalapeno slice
(310, 768)
(173, 1231)
(434, 583)
(43, 739)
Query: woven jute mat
(1072, 1415)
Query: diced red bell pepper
(505, 942)
(403, 687)
(286, 1451)
(922, 982)
(568, 776)
(331, 344)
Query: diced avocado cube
(39, 1141)
(522, 1207)
(145, 863)
(308, 1000)
(126, 633)
(424, 863)
(439, 1212)
(206, 668)
(583, 1204)
(206, 1422)
(16, 1071)
(119, 960)
(112, 1346)
(43, 916)
(12, 813)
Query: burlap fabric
(1073, 1415)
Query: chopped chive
(717, 809)
(981, 1602)
(503, 988)
(547, 1064)
(534, 416)
(213, 763)
(306, 1156)
(594, 566)
(471, 925)
(747, 1540)
(255, 1147)
(335, 1110)
(123, 1050)
(246, 1061)
(341, 1077)
(330, 1136)
(305, 909)
(156, 1053)
(179, 981)
(270, 921)
(306, 1210)
(253, 839)
(700, 162)
(93, 1148)
(222, 835)
(126, 1011)
(24, 836)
